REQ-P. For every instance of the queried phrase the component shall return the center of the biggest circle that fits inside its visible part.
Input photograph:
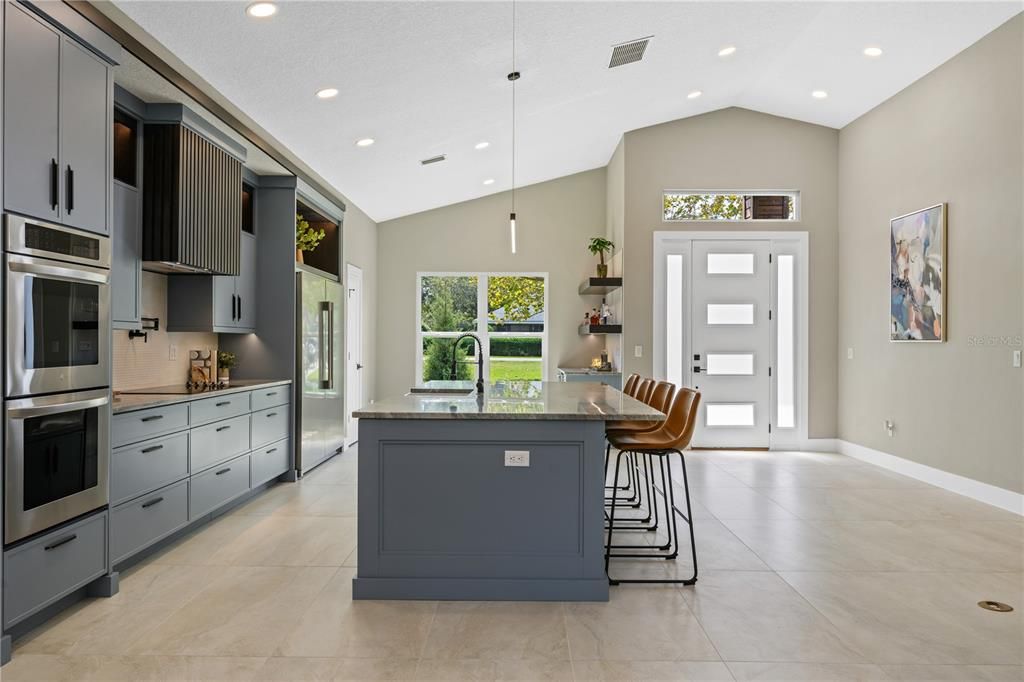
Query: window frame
(794, 193)
(482, 319)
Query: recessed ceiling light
(489, 181)
(727, 50)
(365, 142)
(873, 51)
(819, 94)
(327, 93)
(694, 95)
(482, 145)
(261, 10)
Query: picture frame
(917, 276)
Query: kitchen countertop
(590, 371)
(516, 400)
(142, 398)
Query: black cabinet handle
(146, 505)
(152, 448)
(272, 414)
(234, 307)
(222, 471)
(223, 428)
(270, 451)
(222, 404)
(239, 307)
(71, 189)
(153, 418)
(54, 181)
(62, 541)
(271, 393)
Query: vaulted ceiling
(429, 78)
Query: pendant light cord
(514, 107)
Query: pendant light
(513, 76)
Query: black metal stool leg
(611, 519)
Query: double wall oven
(56, 375)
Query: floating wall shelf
(586, 329)
(599, 285)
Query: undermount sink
(449, 392)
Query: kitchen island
(492, 497)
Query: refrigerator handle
(330, 345)
(325, 309)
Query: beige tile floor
(813, 567)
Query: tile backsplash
(138, 363)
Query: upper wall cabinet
(58, 114)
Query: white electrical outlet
(1016, 358)
(638, 351)
(517, 458)
(849, 353)
(172, 352)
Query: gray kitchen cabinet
(58, 111)
(224, 304)
(31, 115)
(126, 260)
(216, 487)
(139, 524)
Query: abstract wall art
(917, 257)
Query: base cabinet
(270, 461)
(50, 567)
(147, 520)
(218, 486)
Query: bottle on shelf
(606, 312)
(595, 317)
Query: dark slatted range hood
(192, 201)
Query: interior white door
(353, 351)
(731, 342)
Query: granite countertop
(590, 371)
(142, 398)
(514, 400)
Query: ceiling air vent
(628, 52)
(433, 159)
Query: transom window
(506, 310)
(731, 206)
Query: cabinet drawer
(218, 442)
(139, 524)
(220, 407)
(271, 397)
(42, 571)
(131, 427)
(270, 425)
(142, 467)
(219, 485)
(270, 461)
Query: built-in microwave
(56, 460)
(57, 312)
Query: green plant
(225, 359)
(437, 360)
(307, 237)
(599, 246)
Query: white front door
(731, 342)
(353, 351)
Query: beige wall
(954, 136)
(555, 220)
(736, 149)
(359, 248)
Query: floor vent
(629, 52)
(433, 159)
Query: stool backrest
(682, 419)
(643, 387)
(661, 397)
(630, 384)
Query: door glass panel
(730, 313)
(674, 319)
(61, 455)
(734, 364)
(729, 414)
(730, 263)
(785, 335)
(61, 323)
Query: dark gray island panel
(442, 517)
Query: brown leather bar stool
(672, 438)
(641, 389)
(630, 386)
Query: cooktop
(190, 388)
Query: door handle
(70, 189)
(234, 308)
(358, 366)
(321, 344)
(330, 345)
(54, 181)
(239, 307)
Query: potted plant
(599, 246)
(225, 361)
(307, 237)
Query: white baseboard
(820, 445)
(968, 487)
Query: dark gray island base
(442, 516)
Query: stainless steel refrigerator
(320, 416)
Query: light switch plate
(638, 351)
(517, 458)
(849, 353)
(172, 352)
(1016, 358)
